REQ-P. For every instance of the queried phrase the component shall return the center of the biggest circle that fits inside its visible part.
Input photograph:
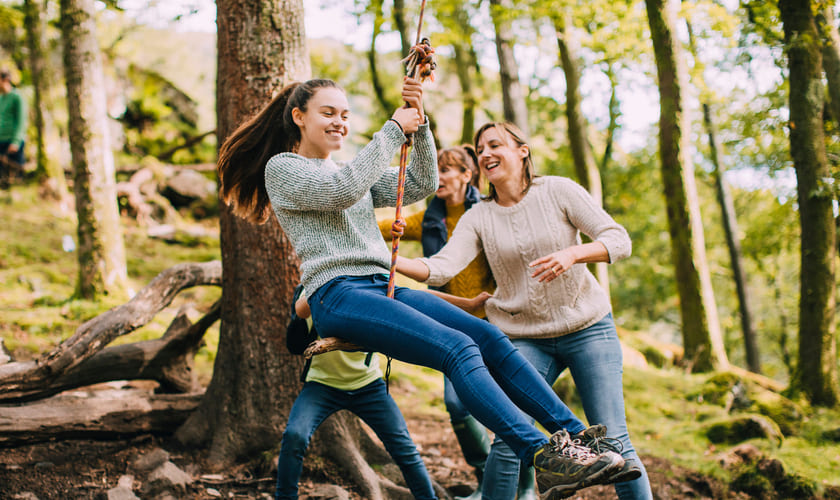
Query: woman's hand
(398, 228)
(553, 265)
(477, 302)
(408, 119)
(412, 94)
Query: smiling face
(500, 158)
(323, 124)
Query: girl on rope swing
(280, 160)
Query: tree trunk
(585, 165)
(105, 414)
(463, 65)
(733, 243)
(49, 172)
(513, 96)
(402, 27)
(378, 89)
(261, 48)
(730, 229)
(816, 374)
(831, 58)
(102, 268)
(702, 338)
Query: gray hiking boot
(564, 466)
(595, 438)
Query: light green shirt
(342, 370)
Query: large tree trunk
(816, 374)
(585, 165)
(261, 48)
(702, 338)
(48, 171)
(513, 96)
(102, 268)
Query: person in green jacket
(12, 126)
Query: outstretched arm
(469, 305)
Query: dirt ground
(85, 469)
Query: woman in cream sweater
(546, 300)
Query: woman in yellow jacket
(458, 190)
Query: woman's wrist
(398, 124)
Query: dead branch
(167, 360)
(166, 155)
(18, 379)
(101, 414)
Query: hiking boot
(564, 466)
(595, 438)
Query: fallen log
(103, 414)
(19, 378)
(168, 360)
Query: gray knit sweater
(326, 209)
(550, 217)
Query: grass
(37, 311)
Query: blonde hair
(512, 132)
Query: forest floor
(87, 469)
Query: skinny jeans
(492, 379)
(375, 407)
(594, 359)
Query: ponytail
(244, 154)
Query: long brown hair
(244, 154)
(511, 131)
(464, 158)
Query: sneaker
(564, 467)
(595, 438)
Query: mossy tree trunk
(49, 171)
(702, 338)
(816, 373)
(261, 47)
(101, 250)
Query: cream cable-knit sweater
(550, 217)
(326, 209)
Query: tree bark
(106, 414)
(513, 95)
(101, 251)
(582, 155)
(261, 47)
(388, 107)
(19, 380)
(702, 338)
(831, 58)
(816, 373)
(49, 172)
(402, 27)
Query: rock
(166, 478)
(744, 427)
(739, 455)
(120, 493)
(327, 492)
(188, 186)
(150, 461)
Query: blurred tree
(513, 95)
(702, 338)
(101, 250)
(47, 170)
(727, 208)
(831, 57)
(816, 374)
(261, 48)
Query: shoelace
(600, 444)
(565, 446)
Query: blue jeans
(420, 328)
(375, 407)
(593, 356)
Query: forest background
(583, 80)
